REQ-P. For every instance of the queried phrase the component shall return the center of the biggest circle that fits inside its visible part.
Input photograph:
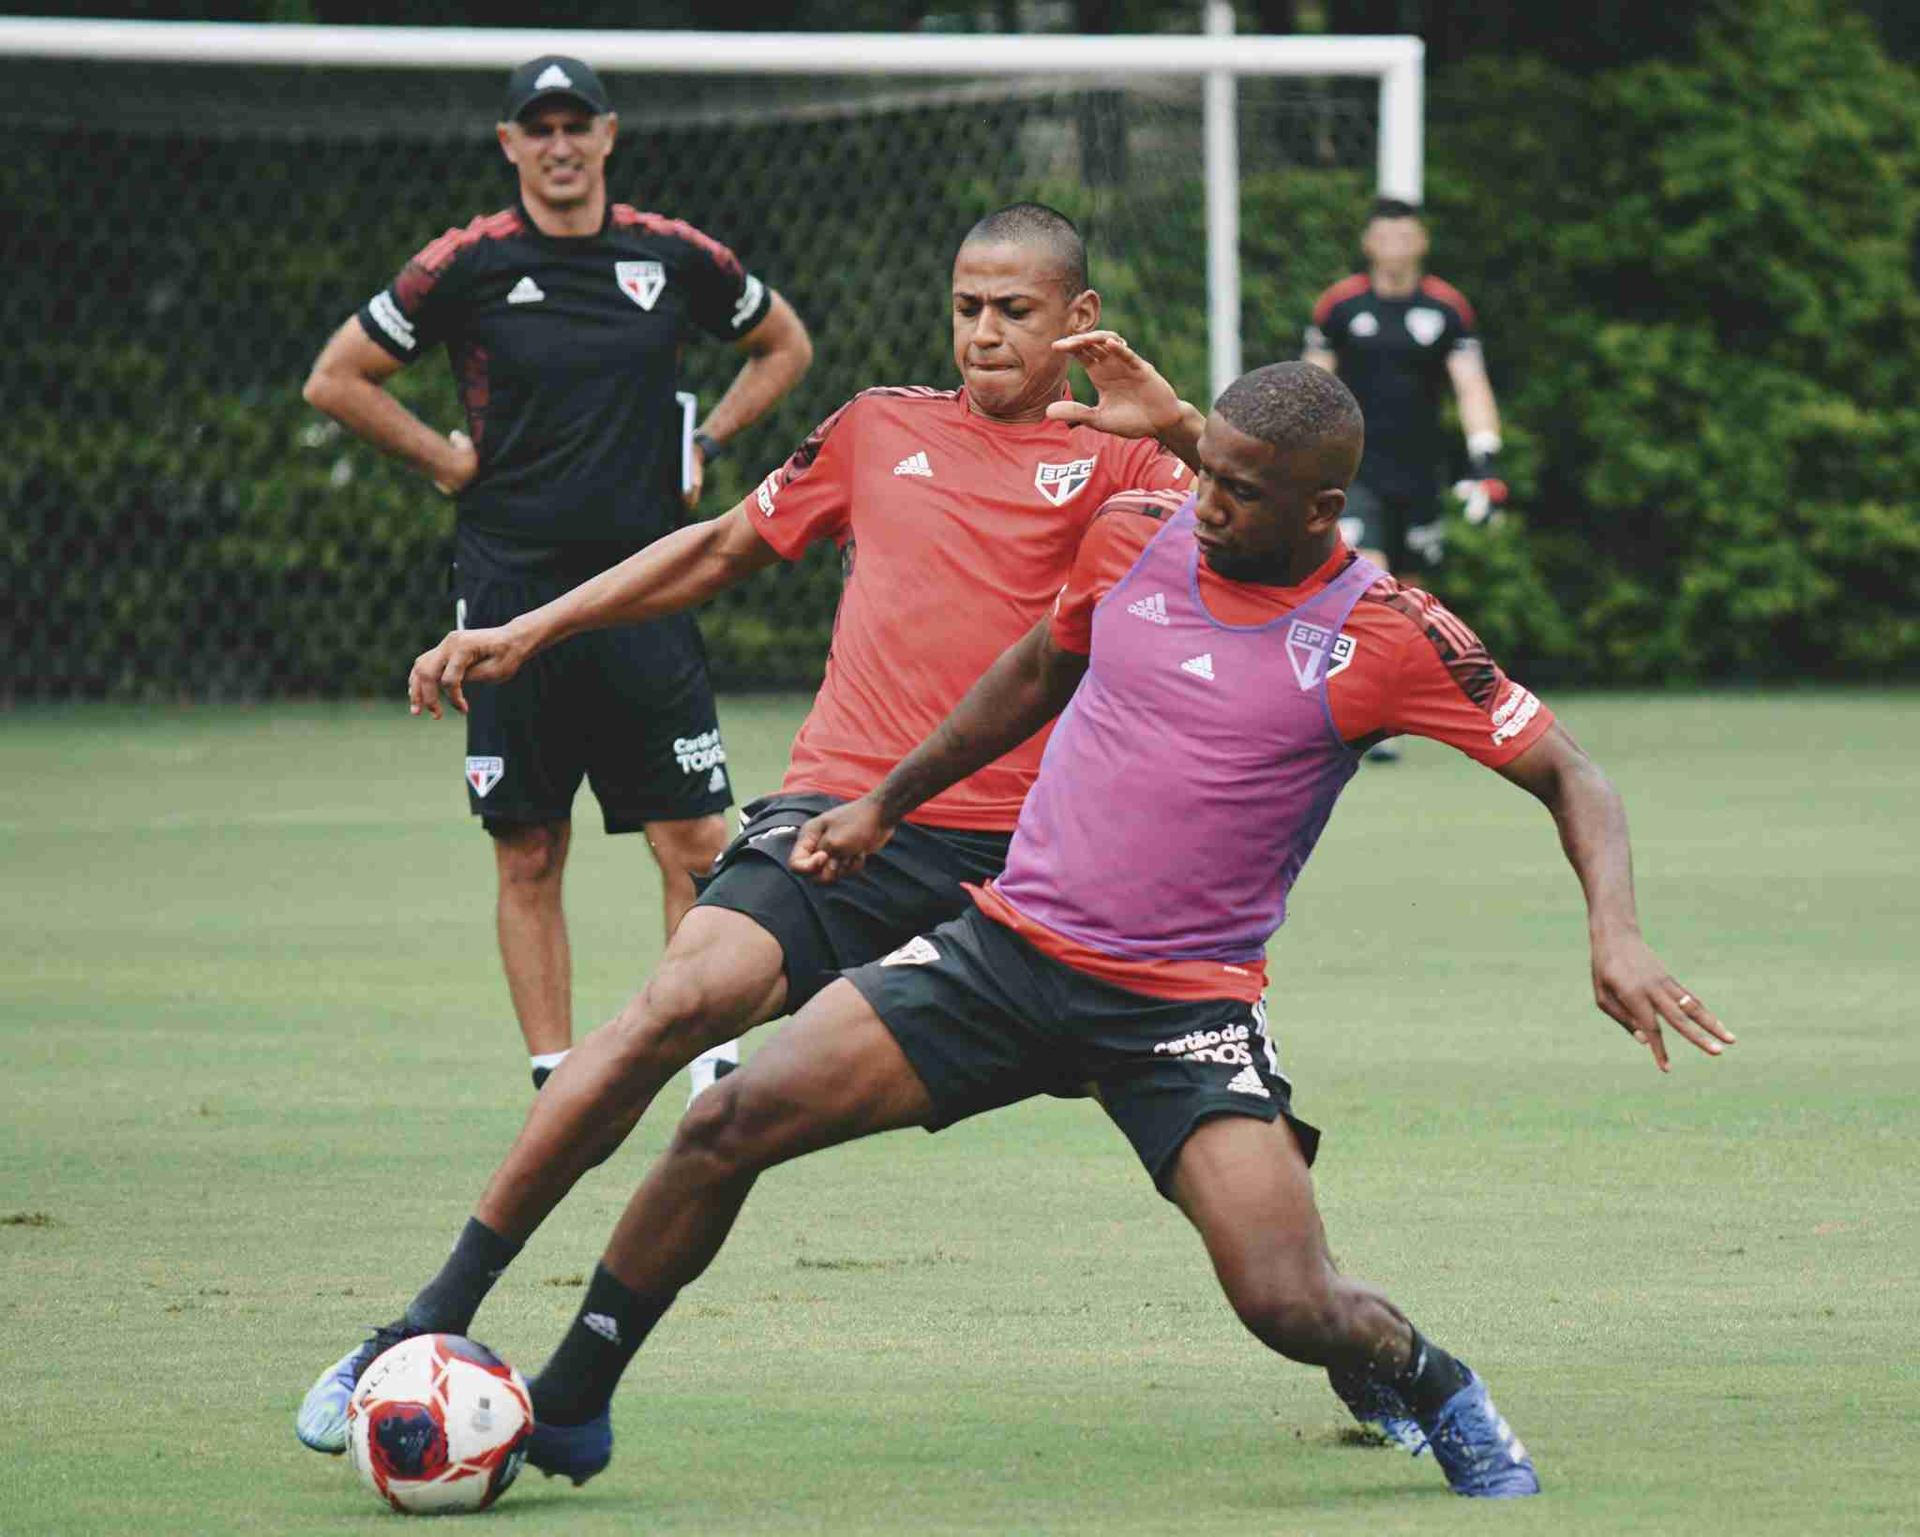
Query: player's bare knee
(688, 848)
(683, 1010)
(724, 1133)
(531, 853)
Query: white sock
(707, 1066)
(547, 1059)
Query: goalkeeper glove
(1483, 491)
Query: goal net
(184, 236)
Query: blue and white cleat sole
(1477, 1449)
(321, 1423)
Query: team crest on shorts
(641, 282)
(484, 773)
(1307, 647)
(917, 951)
(1061, 483)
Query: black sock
(447, 1303)
(613, 1321)
(1430, 1377)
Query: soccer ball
(438, 1425)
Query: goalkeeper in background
(1391, 333)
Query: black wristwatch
(710, 447)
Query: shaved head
(1299, 409)
(1042, 229)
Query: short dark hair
(1035, 224)
(1394, 208)
(1298, 406)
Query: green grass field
(258, 1060)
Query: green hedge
(1700, 307)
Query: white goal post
(1218, 57)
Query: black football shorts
(986, 1020)
(908, 887)
(628, 709)
(1402, 527)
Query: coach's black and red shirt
(565, 351)
(1392, 353)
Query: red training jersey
(957, 531)
(1403, 664)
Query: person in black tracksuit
(563, 317)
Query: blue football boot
(1379, 1406)
(321, 1423)
(1477, 1451)
(572, 1451)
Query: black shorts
(987, 1020)
(1401, 525)
(630, 709)
(907, 888)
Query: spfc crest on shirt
(641, 282)
(1425, 325)
(1308, 649)
(1061, 483)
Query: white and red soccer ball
(438, 1425)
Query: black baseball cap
(554, 74)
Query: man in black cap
(563, 317)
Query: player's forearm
(1592, 821)
(1013, 698)
(1478, 413)
(684, 568)
(366, 410)
(1181, 438)
(767, 374)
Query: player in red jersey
(958, 512)
(1197, 654)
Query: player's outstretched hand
(1135, 401)
(837, 842)
(464, 656)
(1632, 986)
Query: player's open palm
(1134, 399)
(1633, 987)
(837, 842)
(463, 657)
